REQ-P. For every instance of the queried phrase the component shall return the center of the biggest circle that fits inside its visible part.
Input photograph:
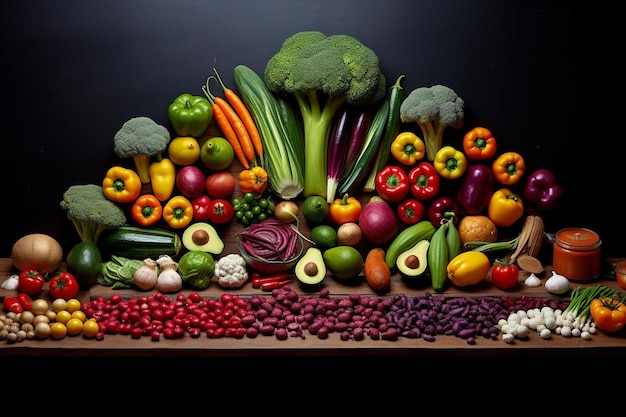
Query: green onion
(581, 298)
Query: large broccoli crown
(438, 104)
(337, 65)
(141, 136)
(90, 211)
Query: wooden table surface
(270, 346)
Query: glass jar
(576, 254)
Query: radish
(378, 222)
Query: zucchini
(139, 242)
(438, 256)
(408, 238)
(281, 157)
(454, 239)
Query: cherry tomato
(30, 281)
(90, 328)
(58, 330)
(504, 275)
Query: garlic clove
(532, 281)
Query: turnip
(378, 222)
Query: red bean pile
(285, 313)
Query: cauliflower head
(231, 271)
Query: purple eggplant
(475, 190)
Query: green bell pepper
(190, 115)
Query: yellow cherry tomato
(58, 330)
(79, 314)
(74, 326)
(90, 328)
(63, 316)
(73, 304)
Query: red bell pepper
(542, 190)
(411, 211)
(443, 207)
(201, 207)
(25, 301)
(424, 181)
(30, 281)
(392, 183)
(63, 285)
(12, 304)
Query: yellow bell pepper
(178, 212)
(450, 163)
(408, 148)
(505, 207)
(468, 268)
(163, 178)
(121, 185)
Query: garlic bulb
(557, 284)
(145, 277)
(168, 280)
(532, 281)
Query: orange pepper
(608, 313)
(253, 180)
(508, 168)
(121, 185)
(345, 210)
(147, 210)
(479, 143)
(178, 212)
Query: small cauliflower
(231, 271)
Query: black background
(538, 74)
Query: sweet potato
(377, 273)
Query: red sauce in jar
(576, 254)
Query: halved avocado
(203, 237)
(412, 262)
(311, 269)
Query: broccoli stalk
(322, 73)
(433, 109)
(91, 212)
(140, 138)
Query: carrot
(227, 129)
(243, 112)
(377, 273)
(229, 133)
(235, 122)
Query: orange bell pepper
(121, 185)
(147, 210)
(505, 207)
(345, 210)
(178, 212)
(479, 143)
(253, 180)
(508, 168)
(609, 314)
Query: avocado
(311, 269)
(203, 237)
(413, 262)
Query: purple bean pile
(285, 313)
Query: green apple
(217, 153)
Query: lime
(315, 209)
(344, 262)
(324, 236)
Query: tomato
(63, 285)
(74, 326)
(79, 314)
(90, 328)
(30, 281)
(608, 313)
(220, 184)
(63, 316)
(73, 305)
(220, 211)
(58, 330)
(504, 275)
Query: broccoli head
(141, 138)
(433, 109)
(91, 212)
(322, 73)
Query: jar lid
(578, 239)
